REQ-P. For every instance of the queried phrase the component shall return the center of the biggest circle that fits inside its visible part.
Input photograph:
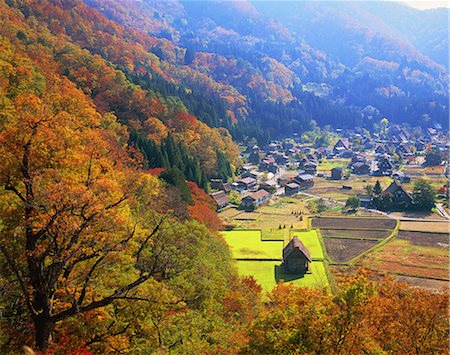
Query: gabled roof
(345, 143)
(247, 180)
(220, 198)
(293, 185)
(294, 244)
(257, 195)
(393, 187)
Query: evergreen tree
(175, 177)
(424, 195)
(377, 189)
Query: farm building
(360, 168)
(336, 173)
(305, 181)
(341, 145)
(296, 257)
(221, 199)
(398, 193)
(252, 201)
(291, 189)
(247, 183)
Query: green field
(311, 241)
(248, 245)
(267, 273)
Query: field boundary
(426, 232)
(257, 259)
(380, 244)
(354, 238)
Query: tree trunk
(44, 327)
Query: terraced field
(356, 233)
(353, 223)
(343, 249)
(425, 239)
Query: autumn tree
(73, 206)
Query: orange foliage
(203, 209)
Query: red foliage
(203, 209)
(154, 171)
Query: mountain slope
(318, 60)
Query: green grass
(312, 242)
(267, 273)
(248, 245)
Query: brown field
(438, 227)
(401, 257)
(353, 223)
(247, 216)
(355, 233)
(425, 239)
(230, 212)
(343, 250)
(433, 285)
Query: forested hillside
(298, 61)
(110, 128)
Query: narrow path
(442, 211)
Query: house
(381, 149)
(310, 168)
(221, 200)
(336, 173)
(347, 153)
(254, 174)
(360, 168)
(216, 184)
(384, 167)
(291, 189)
(247, 183)
(296, 257)
(254, 200)
(280, 158)
(269, 185)
(305, 181)
(365, 200)
(401, 178)
(341, 145)
(268, 164)
(398, 194)
(403, 150)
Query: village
(316, 204)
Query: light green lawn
(311, 241)
(248, 244)
(266, 273)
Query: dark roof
(394, 186)
(337, 169)
(296, 243)
(293, 185)
(247, 180)
(304, 177)
(359, 164)
(220, 198)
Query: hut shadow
(280, 274)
